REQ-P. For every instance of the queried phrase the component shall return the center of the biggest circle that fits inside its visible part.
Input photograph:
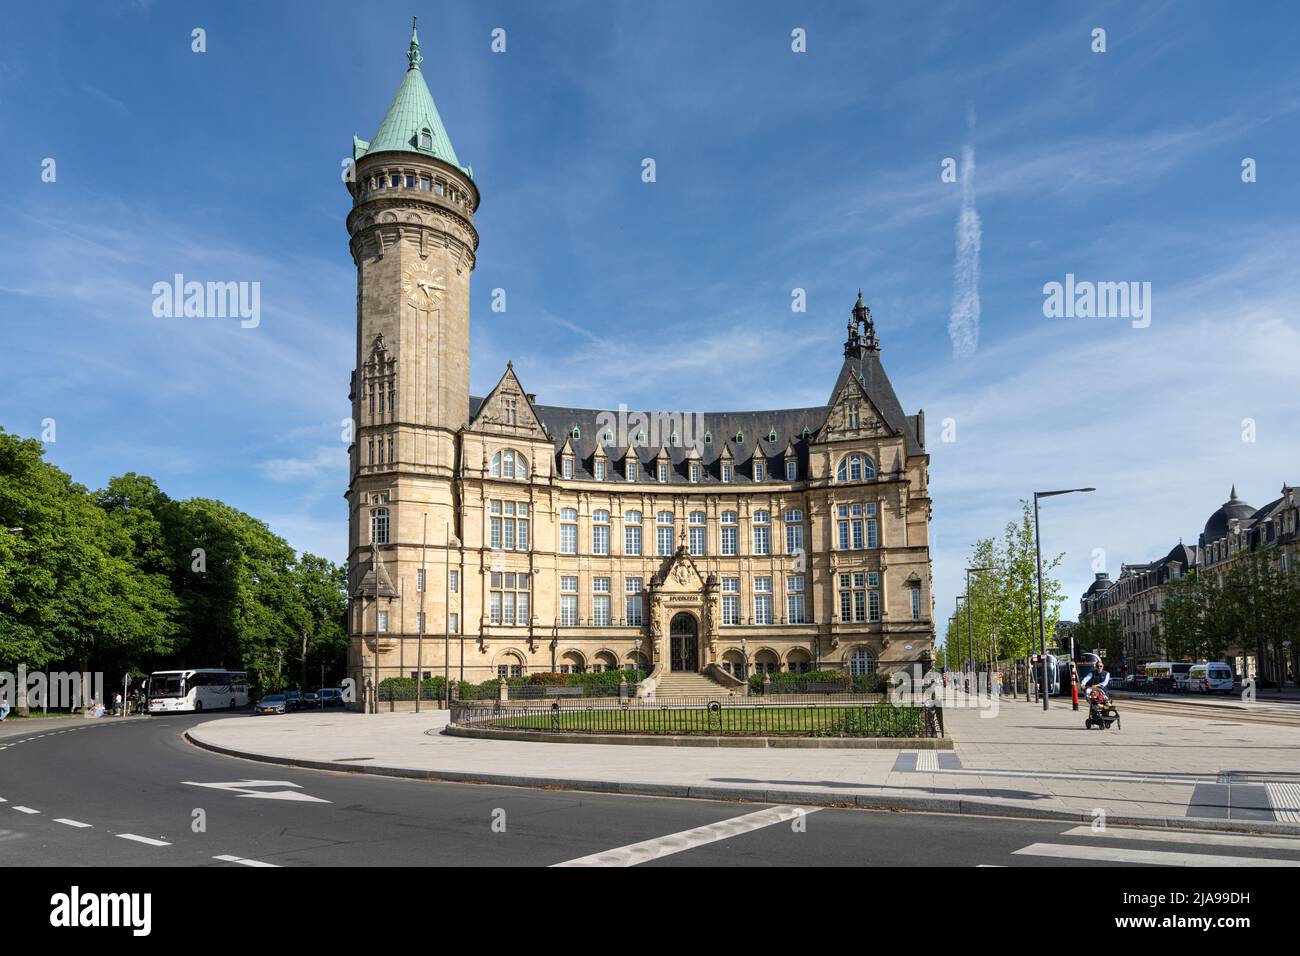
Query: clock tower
(413, 241)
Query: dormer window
(575, 432)
(609, 437)
(740, 438)
(771, 435)
(567, 466)
(708, 438)
(760, 471)
(426, 140)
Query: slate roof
(1217, 524)
(789, 424)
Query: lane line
(142, 839)
(25, 809)
(226, 858)
(655, 849)
(1117, 854)
(1192, 837)
(71, 823)
(1285, 799)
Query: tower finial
(413, 52)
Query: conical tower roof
(412, 123)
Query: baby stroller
(1101, 710)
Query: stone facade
(499, 536)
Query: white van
(1210, 677)
(1177, 671)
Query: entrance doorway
(684, 643)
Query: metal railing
(715, 718)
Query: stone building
(1233, 530)
(503, 536)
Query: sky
(775, 171)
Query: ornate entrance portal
(684, 642)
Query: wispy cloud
(964, 317)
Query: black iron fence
(716, 718)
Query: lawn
(851, 721)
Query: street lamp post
(970, 636)
(956, 615)
(1038, 564)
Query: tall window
(873, 596)
(419, 579)
(663, 471)
(873, 533)
(793, 531)
(630, 469)
(696, 470)
(762, 600)
(730, 533)
(379, 525)
(791, 469)
(632, 534)
(664, 533)
(600, 532)
(600, 602)
(853, 597)
(453, 581)
(383, 622)
(726, 473)
(760, 471)
(600, 470)
(856, 526)
(566, 467)
(731, 600)
(632, 612)
(916, 604)
(762, 533)
(794, 599)
(508, 598)
(568, 531)
(569, 600)
(697, 533)
(508, 526)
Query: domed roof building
(1233, 509)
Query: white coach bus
(206, 688)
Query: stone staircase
(692, 684)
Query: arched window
(771, 435)
(861, 663)
(740, 438)
(575, 432)
(609, 436)
(673, 439)
(855, 467)
(708, 438)
(509, 464)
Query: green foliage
(127, 579)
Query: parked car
(270, 704)
(292, 700)
(330, 696)
(311, 701)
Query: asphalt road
(128, 792)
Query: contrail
(964, 319)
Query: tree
(1016, 618)
(319, 611)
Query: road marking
(140, 839)
(1117, 854)
(26, 810)
(71, 823)
(635, 853)
(245, 788)
(1285, 798)
(1194, 837)
(224, 858)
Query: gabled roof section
(862, 365)
(508, 410)
(412, 123)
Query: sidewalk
(1158, 770)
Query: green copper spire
(412, 123)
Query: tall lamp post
(1038, 563)
(956, 616)
(970, 605)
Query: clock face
(423, 285)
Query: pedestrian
(117, 704)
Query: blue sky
(775, 171)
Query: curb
(663, 740)
(972, 806)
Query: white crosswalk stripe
(1188, 838)
(142, 839)
(636, 853)
(227, 858)
(1118, 854)
(1285, 800)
